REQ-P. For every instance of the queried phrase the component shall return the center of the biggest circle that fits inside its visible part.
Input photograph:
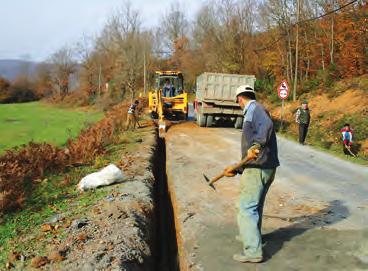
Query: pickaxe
(349, 150)
(231, 168)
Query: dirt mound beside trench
(116, 235)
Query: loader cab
(170, 83)
(168, 99)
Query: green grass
(41, 122)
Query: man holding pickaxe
(259, 151)
(132, 118)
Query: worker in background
(168, 89)
(347, 139)
(132, 115)
(302, 117)
(258, 142)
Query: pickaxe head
(209, 182)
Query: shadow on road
(275, 240)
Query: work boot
(246, 259)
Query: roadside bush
(326, 144)
(327, 76)
(19, 91)
(105, 102)
(310, 85)
(76, 98)
(18, 95)
(265, 85)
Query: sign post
(283, 93)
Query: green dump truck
(215, 98)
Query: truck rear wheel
(238, 123)
(209, 120)
(201, 118)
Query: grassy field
(40, 122)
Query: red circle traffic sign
(283, 90)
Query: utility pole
(144, 71)
(99, 81)
(296, 50)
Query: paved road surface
(316, 214)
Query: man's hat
(244, 89)
(305, 102)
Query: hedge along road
(316, 213)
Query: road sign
(283, 90)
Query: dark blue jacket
(258, 129)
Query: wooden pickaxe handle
(235, 167)
(349, 150)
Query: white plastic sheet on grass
(106, 176)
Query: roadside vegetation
(42, 122)
(46, 213)
(331, 107)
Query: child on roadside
(347, 138)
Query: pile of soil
(116, 234)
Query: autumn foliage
(244, 37)
(20, 168)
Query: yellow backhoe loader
(168, 100)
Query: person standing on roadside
(258, 142)
(302, 117)
(132, 115)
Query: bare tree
(122, 46)
(91, 66)
(63, 66)
(174, 25)
(43, 80)
(281, 13)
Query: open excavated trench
(133, 227)
(165, 243)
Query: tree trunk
(296, 51)
(308, 56)
(283, 64)
(322, 51)
(332, 35)
(290, 56)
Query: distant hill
(11, 68)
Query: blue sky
(37, 28)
